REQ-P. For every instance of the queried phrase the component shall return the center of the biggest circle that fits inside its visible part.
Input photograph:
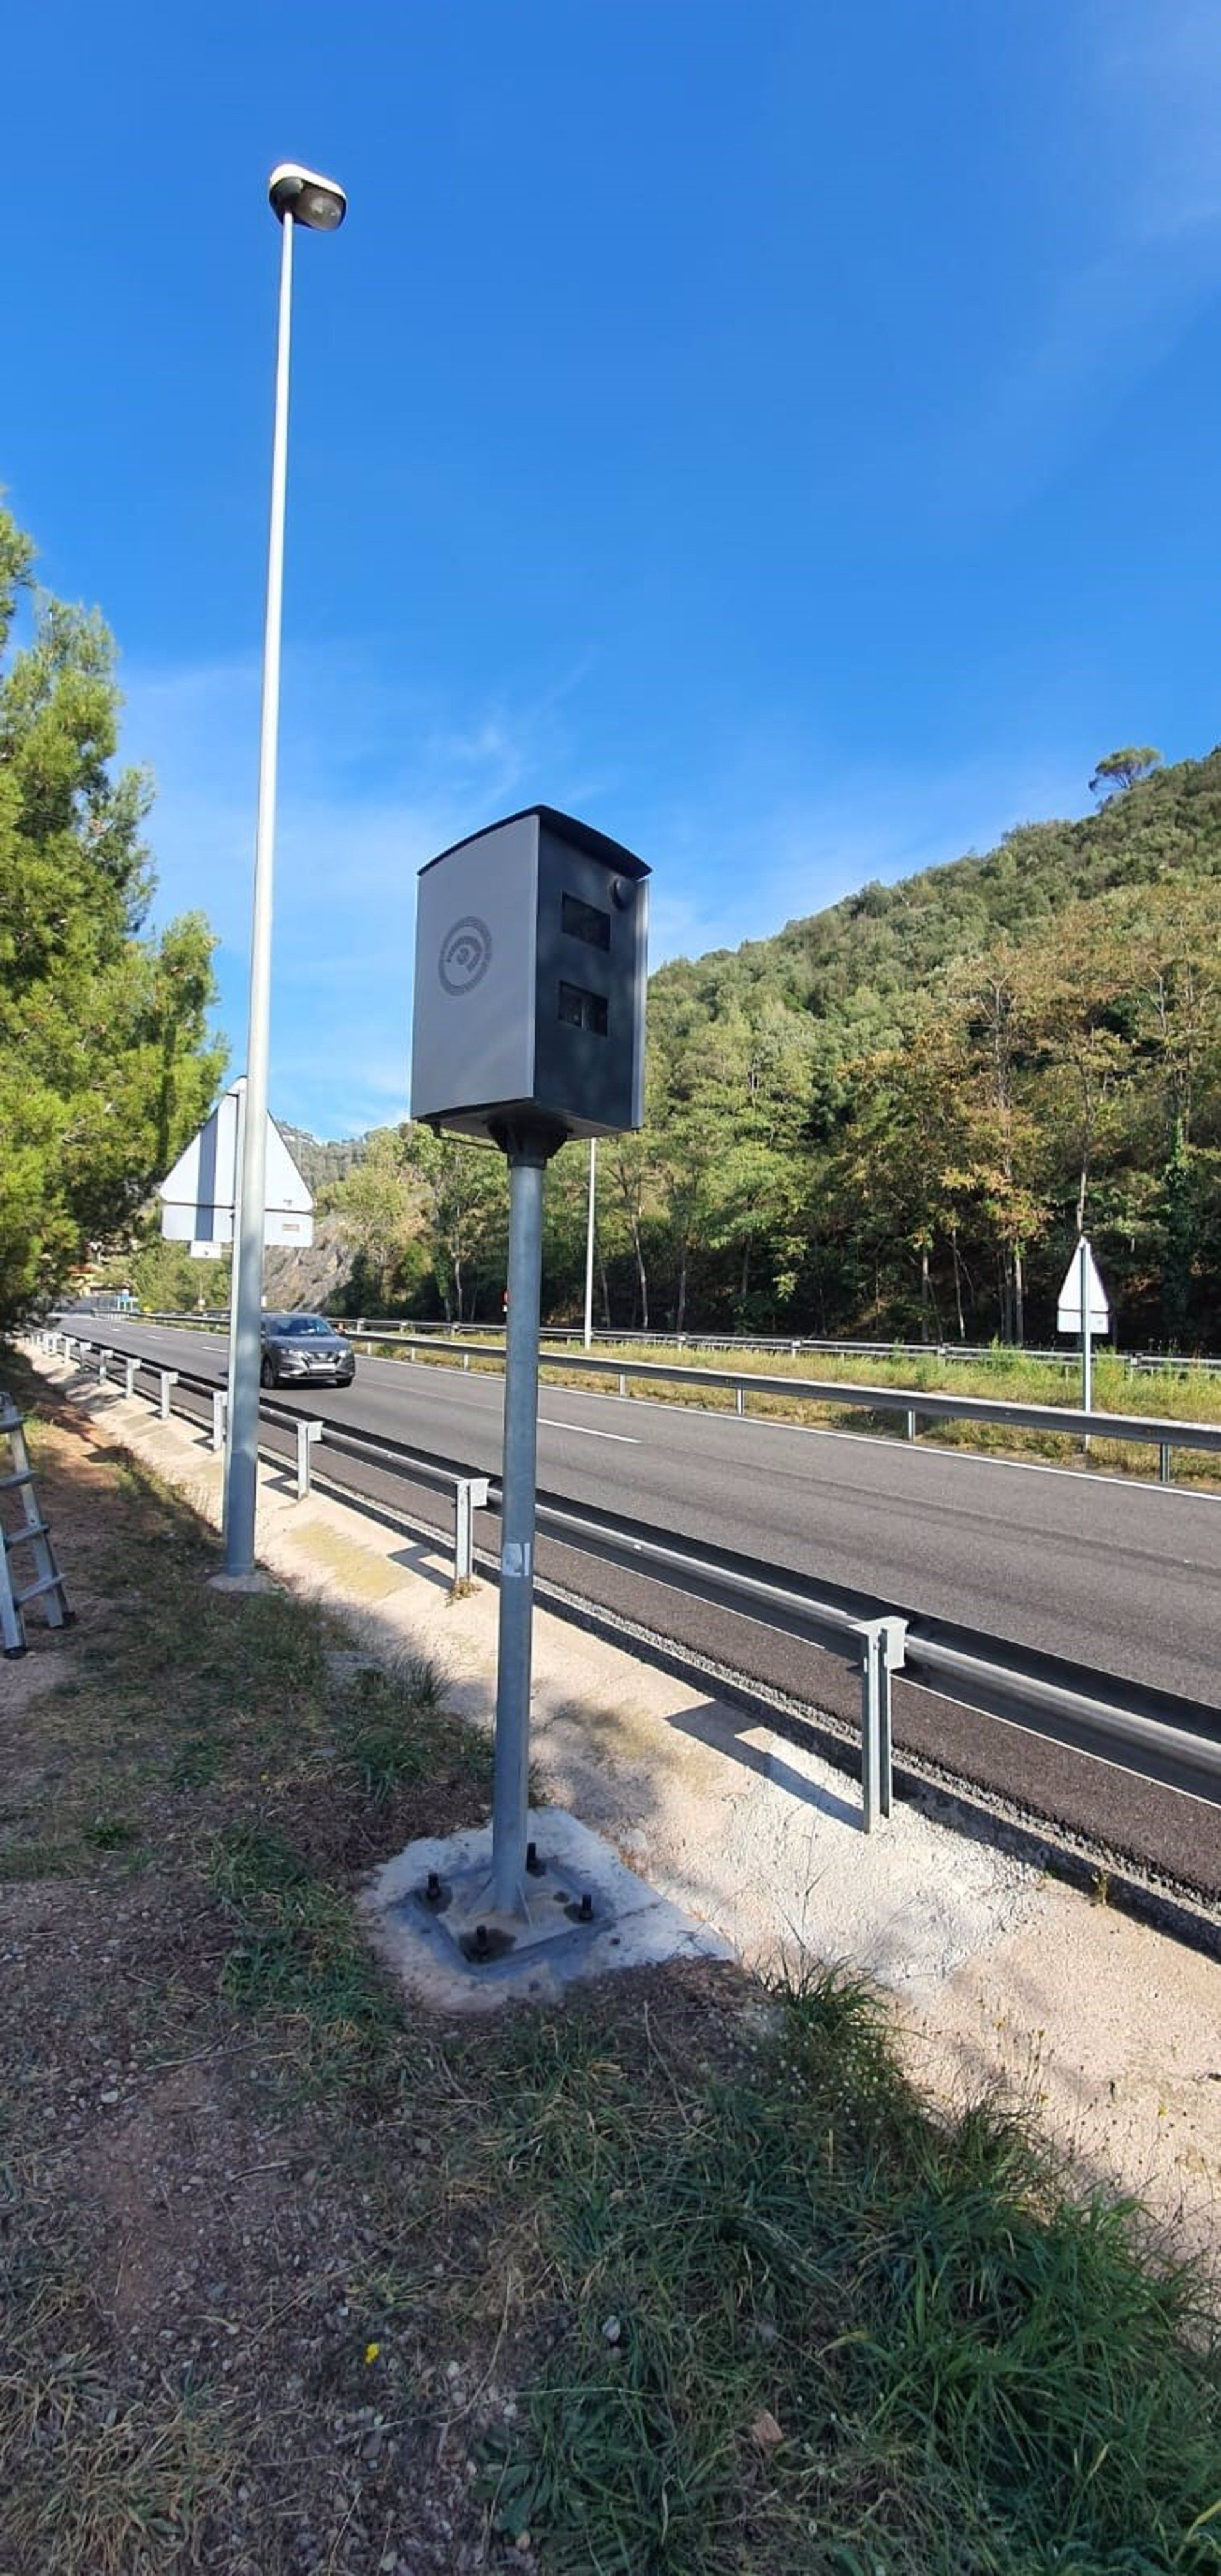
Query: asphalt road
(1125, 1577)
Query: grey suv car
(299, 1350)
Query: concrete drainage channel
(724, 1616)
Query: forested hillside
(894, 1116)
(321, 1161)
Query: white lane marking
(866, 1440)
(547, 1421)
(587, 1431)
(977, 1457)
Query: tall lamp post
(297, 197)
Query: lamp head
(318, 203)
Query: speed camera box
(530, 982)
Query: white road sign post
(199, 1200)
(1083, 1308)
(199, 1196)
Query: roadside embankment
(689, 2276)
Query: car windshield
(296, 1326)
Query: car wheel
(267, 1375)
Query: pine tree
(105, 1061)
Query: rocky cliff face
(308, 1279)
(303, 1280)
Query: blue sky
(783, 434)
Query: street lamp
(318, 203)
(298, 196)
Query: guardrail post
(882, 1648)
(220, 1404)
(470, 1496)
(308, 1431)
(130, 1367)
(909, 1423)
(622, 1382)
(1165, 1469)
(104, 1360)
(740, 1405)
(169, 1378)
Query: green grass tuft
(390, 1730)
(110, 1833)
(971, 2374)
(297, 1954)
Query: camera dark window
(585, 921)
(582, 1010)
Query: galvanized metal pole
(231, 1352)
(1087, 1355)
(510, 1791)
(241, 1473)
(589, 1241)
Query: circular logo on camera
(466, 954)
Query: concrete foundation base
(256, 1582)
(430, 1916)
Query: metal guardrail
(387, 1328)
(913, 1404)
(470, 1492)
(1158, 1735)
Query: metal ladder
(33, 1532)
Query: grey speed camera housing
(531, 943)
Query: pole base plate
(583, 1914)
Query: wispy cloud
(1158, 65)
(747, 863)
(374, 785)
(1141, 253)
(374, 781)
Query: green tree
(1120, 769)
(105, 1060)
(906, 1169)
(378, 1205)
(464, 1203)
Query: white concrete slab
(634, 1926)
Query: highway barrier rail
(389, 1328)
(1155, 1734)
(910, 1405)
